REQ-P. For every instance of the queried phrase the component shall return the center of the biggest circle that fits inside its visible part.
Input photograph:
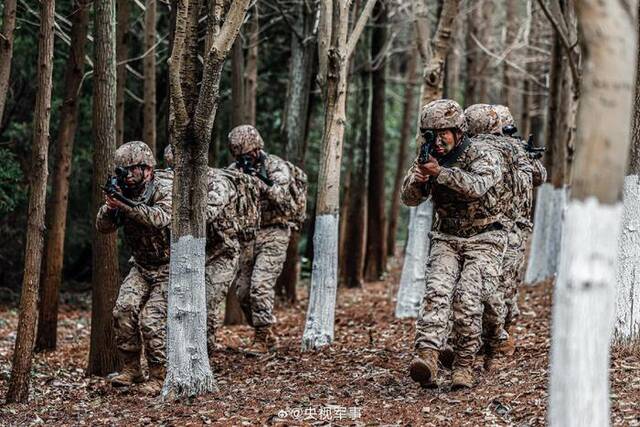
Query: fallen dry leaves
(360, 380)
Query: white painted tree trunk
(318, 330)
(547, 233)
(627, 326)
(583, 312)
(412, 280)
(188, 371)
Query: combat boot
(462, 377)
(446, 357)
(130, 372)
(424, 368)
(153, 387)
(264, 341)
(508, 346)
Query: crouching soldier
(262, 261)
(232, 218)
(464, 179)
(140, 203)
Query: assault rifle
(245, 164)
(426, 149)
(535, 152)
(115, 183)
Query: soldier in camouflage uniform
(468, 240)
(515, 257)
(261, 262)
(483, 119)
(141, 307)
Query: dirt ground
(360, 380)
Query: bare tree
(18, 390)
(339, 48)
(584, 294)
(376, 259)
(188, 370)
(296, 123)
(149, 64)
(103, 357)
(57, 209)
(122, 53)
(237, 84)
(251, 67)
(408, 114)
(627, 329)
(6, 49)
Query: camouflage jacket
(147, 225)
(538, 177)
(221, 211)
(468, 194)
(275, 201)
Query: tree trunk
(6, 49)
(474, 60)
(295, 129)
(354, 249)
(251, 69)
(237, 84)
(103, 357)
(584, 293)
(452, 88)
(408, 111)
(122, 54)
(188, 370)
(627, 329)
(18, 390)
(376, 258)
(56, 225)
(432, 88)
(510, 81)
(413, 274)
(322, 293)
(149, 120)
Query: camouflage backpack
(246, 217)
(298, 190)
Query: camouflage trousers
(140, 313)
(462, 284)
(219, 274)
(261, 263)
(512, 273)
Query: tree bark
(251, 69)
(376, 258)
(6, 49)
(103, 357)
(295, 128)
(56, 225)
(510, 81)
(149, 120)
(320, 315)
(474, 61)
(627, 327)
(18, 390)
(584, 293)
(408, 111)
(122, 54)
(188, 370)
(237, 84)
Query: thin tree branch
(359, 27)
(575, 73)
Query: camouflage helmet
(505, 115)
(244, 139)
(442, 114)
(483, 119)
(134, 153)
(168, 155)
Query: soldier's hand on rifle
(425, 170)
(113, 203)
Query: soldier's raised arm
(484, 173)
(107, 220)
(157, 215)
(219, 193)
(413, 190)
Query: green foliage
(12, 190)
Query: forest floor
(360, 380)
